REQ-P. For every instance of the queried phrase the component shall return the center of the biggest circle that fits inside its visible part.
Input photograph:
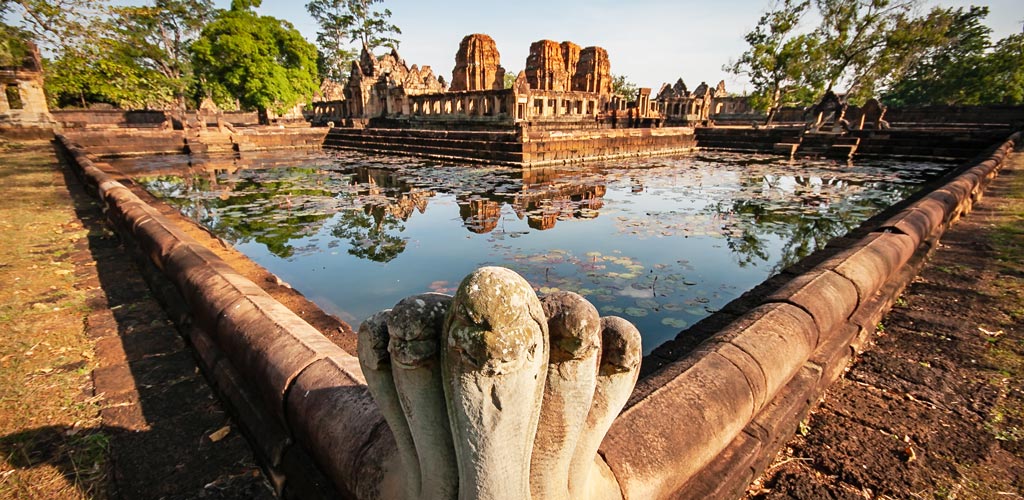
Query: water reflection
(661, 241)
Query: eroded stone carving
(529, 388)
(545, 68)
(565, 67)
(593, 73)
(477, 65)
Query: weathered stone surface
(499, 403)
(593, 73)
(826, 296)
(22, 102)
(575, 339)
(381, 85)
(375, 362)
(571, 59)
(620, 366)
(494, 355)
(334, 417)
(415, 326)
(651, 447)
(917, 223)
(869, 265)
(477, 65)
(545, 67)
(268, 343)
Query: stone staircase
(210, 142)
(746, 139)
(493, 147)
(826, 145)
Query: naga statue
(495, 393)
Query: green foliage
(623, 87)
(965, 69)
(865, 48)
(157, 39)
(866, 43)
(347, 21)
(57, 24)
(510, 79)
(1005, 68)
(262, 61)
(103, 72)
(13, 46)
(781, 61)
(127, 56)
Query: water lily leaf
(674, 322)
(636, 312)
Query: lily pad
(674, 322)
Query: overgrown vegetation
(172, 54)
(879, 48)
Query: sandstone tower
(477, 65)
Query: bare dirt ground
(934, 407)
(99, 396)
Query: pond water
(662, 242)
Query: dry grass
(51, 445)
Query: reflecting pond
(660, 241)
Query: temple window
(14, 96)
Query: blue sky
(650, 41)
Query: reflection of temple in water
(543, 209)
(541, 196)
(393, 195)
(542, 199)
(480, 215)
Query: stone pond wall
(700, 424)
(527, 149)
(134, 142)
(73, 119)
(950, 144)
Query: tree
(351, 20)
(262, 61)
(157, 39)
(623, 87)
(102, 72)
(865, 42)
(860, 49)
(14, 45)
(965, 69)
(1004, 70)
(57, 24)
(781, 62)
(950, 71)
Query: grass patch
(51, 443)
